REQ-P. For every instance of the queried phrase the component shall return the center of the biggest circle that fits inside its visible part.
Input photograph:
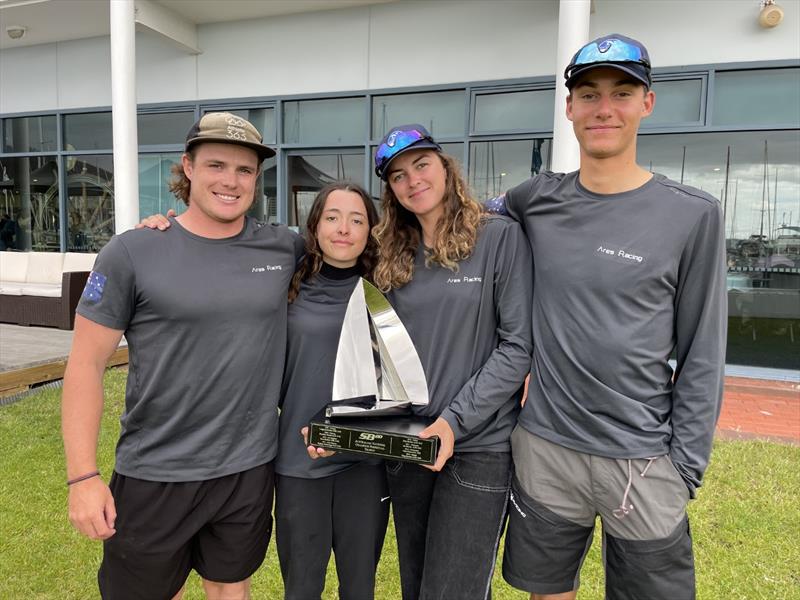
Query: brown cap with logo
(227, 128)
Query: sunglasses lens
(609, 50)
(397, 141)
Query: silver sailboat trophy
(377, 379)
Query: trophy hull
(392, 438)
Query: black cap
(400, 139)
(615, 51)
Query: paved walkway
(752, 408)
(755, 408)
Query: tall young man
(203, 309)
(629, 269)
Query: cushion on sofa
(13, 266)
(49, 290)
(78, 261)
(11, 288)
(45, 267)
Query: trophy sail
(402, 379)
(377, 378)
(351, 377)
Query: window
(154, 177)
(30, 134)
(29, 204)
(90, 202)
(497, 166)
(164, 128)
(336, 121)
(441, 113)
(763, 97)
(762, 230)
(530, 110)
(309, 173)
(88, 131)
(678, 102)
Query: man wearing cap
(629, 270)
(203, 309)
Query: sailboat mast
(733, 216)
(763, 198)
(725, 189)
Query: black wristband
(83, 477)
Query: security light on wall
(16, 31)
(771, 14)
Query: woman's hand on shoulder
(313, 451)
(159, 221)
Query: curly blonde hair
(399, 232)
(312, 262)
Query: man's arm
(91, 506)
(701, 318)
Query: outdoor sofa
(42, 288)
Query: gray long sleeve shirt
(622, 281)
(472, 331)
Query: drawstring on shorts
(624, 507)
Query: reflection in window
(442, 113)
(678, 101)
(336, 121)
(90, 202)
(311, 172)
(758, 188)
(163, 128)
(30, 134)
(29, 204)
(154, 176)
(89, 131)
(531, 110)
(265, 205)
(497, 166)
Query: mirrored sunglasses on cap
(400, 139)
(609, 50)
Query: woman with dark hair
(459, 279)
(341, 503)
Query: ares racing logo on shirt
(464, 279)
(265, 268)
(620, 255)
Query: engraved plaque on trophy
(378, 377)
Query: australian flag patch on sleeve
(93, 291)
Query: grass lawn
(746, 522)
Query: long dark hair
(312, 262)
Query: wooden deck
(31, 356)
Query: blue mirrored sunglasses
(611, 50)
(396, 142)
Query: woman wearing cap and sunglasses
(459, 280)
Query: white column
(573, 32)
(123, 107)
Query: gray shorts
(556, 496)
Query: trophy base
(393, 438)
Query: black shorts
(220, 528)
